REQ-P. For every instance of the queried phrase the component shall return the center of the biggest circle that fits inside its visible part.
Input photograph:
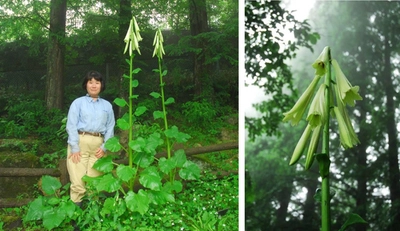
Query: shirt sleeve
(72, 130)
(109, 126)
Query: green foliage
(8, 216)
(12, 129)
(54, 209)
(207, 221)
(31, 118)
(199, 113)
(96, 43)
(26, 113)
(352, 220)
(52, 160)
(266, 57)
(269, 182)
(205, 204)
(14, 144)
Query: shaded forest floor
(212, 200)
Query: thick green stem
(164, 111)
(325, 205)
(130, 154)
(325, 198)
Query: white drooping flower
(132, 37)
(296, 113)
(301, 145)
(348, 94)
(317, 112)
(320, 63)
(313, 146)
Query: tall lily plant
(156, 176)
(321, 104)
(159, 52)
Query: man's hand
(76, 157)
(99, 153)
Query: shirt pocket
(103, 117)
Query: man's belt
(91, 133)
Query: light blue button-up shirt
(88, 115)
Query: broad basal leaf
(175, 186)
(113, 144)
(137, 144)
(160, 197)
(125, 173)
(108, 183)
(190, 171)
(53, 218)
(137, 202)
(104, 164)
(91, 180)
(150, 178)
(153, 142)
(108, 207)
(143, 159)
(173, 132)
(36, 209)
(179, 158)
(53, 201)
(68, 207)
(166, 165)
(50, 185)
(113, 206)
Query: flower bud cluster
(318, 115)
(132, 37)
(158, 44)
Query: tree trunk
(393, 160)
(125, 15)
(56, 55)
(362, 172)
(310, 219)
(283, 198)
(199, 24)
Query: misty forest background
(48, 46)
(364, 37)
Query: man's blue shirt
(87, 115)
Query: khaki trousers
(88, 145)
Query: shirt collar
(90, 99)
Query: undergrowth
(205, 204)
